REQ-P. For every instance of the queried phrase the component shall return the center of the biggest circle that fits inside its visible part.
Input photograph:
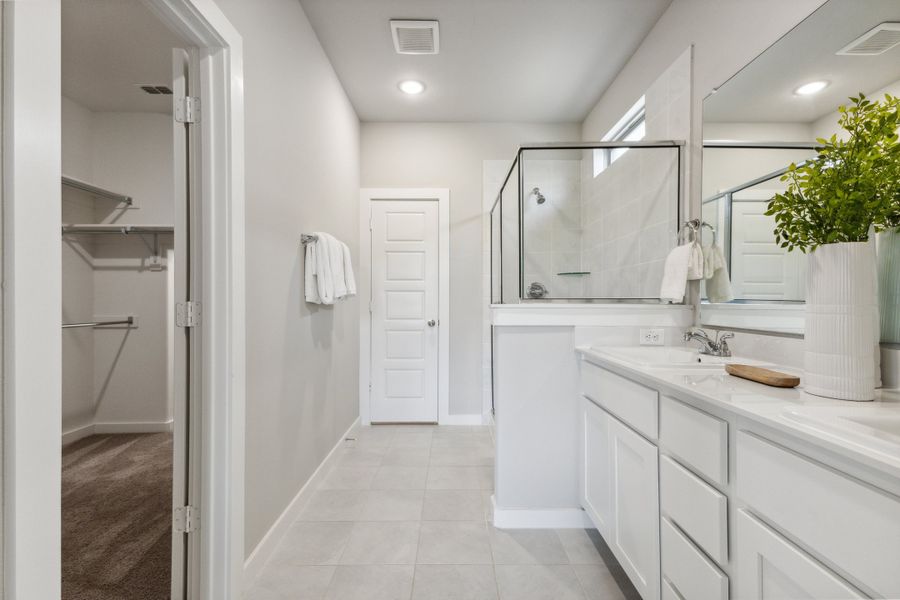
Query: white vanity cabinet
(771, 568)
(620, 473)
(850, 526)
(701, 501)
(595, 485)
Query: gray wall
(302, 172)
(451, 155)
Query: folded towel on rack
(329, 270)
(715, 271)
(695, 262)
(675, 274)
(310, 279)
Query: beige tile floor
(404, 513)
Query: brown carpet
(116, 517)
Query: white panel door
(761, 269)
(768, 567)
(405, 280)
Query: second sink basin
(871, 427)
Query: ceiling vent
(415, 37)
(155, 90)
(876, 41)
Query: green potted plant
(832, 205)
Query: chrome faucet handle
(696, 332)
(721, 346)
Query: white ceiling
(764, 90)
(500, 60)
(110, 45)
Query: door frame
(32, 299)
(366, 197)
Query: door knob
(432, 323)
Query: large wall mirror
(768, 116)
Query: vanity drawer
(693, 576)
(699, 440)
(631, 402)
(849, 525)
(696, 507)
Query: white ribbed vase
(889, 284)
(841, 321)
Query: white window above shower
(630, 128)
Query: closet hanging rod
(306, 238)
(128, 321)
(117, 229)
(95, 190)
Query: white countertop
(840, 426)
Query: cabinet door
(596, 488)
(768, 567)
(635, 504)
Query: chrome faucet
(708, 346)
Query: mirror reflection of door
(760, 268)
(768, 116)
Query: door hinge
(370, 306)
(187, 314)
(371, 225)
(186, 519)
(187, 109)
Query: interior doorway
(32, 298)
(405, 325)
(126, 466)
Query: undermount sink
(874, 429)
(668, 357)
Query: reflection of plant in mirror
(849, 186)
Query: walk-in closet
(119, 338)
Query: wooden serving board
(764, 376)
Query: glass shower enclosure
(586, 222)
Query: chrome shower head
(536, 192)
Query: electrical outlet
(653, 337)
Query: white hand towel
(336, 262)
(675, 275)
(349, 280)
(695, 262)
(715, 270)
(324, 272)
(310, 285)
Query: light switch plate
(653, 337)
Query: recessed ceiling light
(813, 87)
(411, 87)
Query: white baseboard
(462, 420)
(267, 545)
(73, 435)
(551, 518)
(144, 427)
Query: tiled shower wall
(629, 210)
(553, 229)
